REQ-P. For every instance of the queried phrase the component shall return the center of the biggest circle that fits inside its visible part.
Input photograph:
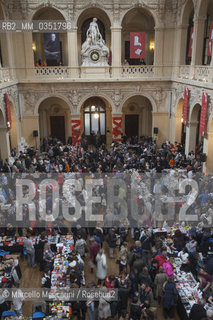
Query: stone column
(160, 120)
(211, 69)
(173, 129)
(198, 40)
(180, 45)
(72, 47)
(76, 129)
(158, 54)
(5, 144)
(208, 149)
(28, 51)
(116, 50)
(191, 133)
(28, 125)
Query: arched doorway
(188, 20)
(138, 20)
(180, 128)
(50, 48)
(54, 119)
(206, 10)
(96, 119)
(137, 117)
(83, 22)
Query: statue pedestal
(95, 73)
(95, 55)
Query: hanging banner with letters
(203, 114)
(8, 110)
(137, 45)
(185, 106)
(191, 42)
(76, 132)
(116, 128)
(209, 53)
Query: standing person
(101, 266)
(104, 310)
(16, 273)
(112, 239)
(80, 246)
(135, 309)
(18, 300)
(169, 298)
(159, 281)
(48, 256)
(92, 304)
(28, 244)
(3, 303)
(94, 248)
(123, 296)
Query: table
(188, 290)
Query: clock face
(94, 56)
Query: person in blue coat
(169, 298)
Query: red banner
(191, 42)
(210, 43)
(76, 132)
(8, 111)
(203, 113)
(116, 128)
(137, 45)
(185, 106)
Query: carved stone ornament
(30, 100)
(74, 98)
(159, 95)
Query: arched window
(94, 116)
(206, 59)
(191, 25)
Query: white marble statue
(93, 32)
(94, 50)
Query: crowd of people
(144, 274)
(57, 157)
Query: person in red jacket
(110, 281)
(161, 258)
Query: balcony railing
(52, 72)
(198, 73)
(67, 73)
(184, 72)
(137, 71)
(202, 73)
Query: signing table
(60, 279)
(188, 291)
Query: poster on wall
(209, 52)
(203, 114)
(191, 42)
(185, 106)
(8, 110)
(52, 46)
(137, 45)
